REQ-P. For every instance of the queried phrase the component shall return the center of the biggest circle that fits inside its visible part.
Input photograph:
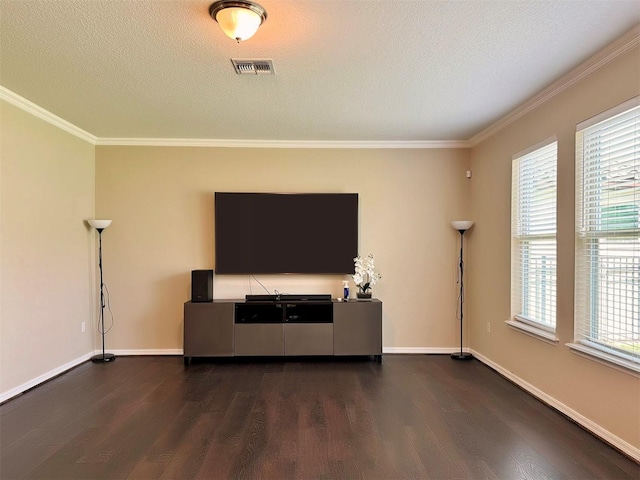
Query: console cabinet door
(308, 339)
(258, 339)
(208, 329)
(357, 328)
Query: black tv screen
(306, 233)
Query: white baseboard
(390, 350)
(4, 396)
(423, 350)
(14, 392)
(149, 351)
(580, 419)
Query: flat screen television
(267, 233)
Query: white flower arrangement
(365, 276)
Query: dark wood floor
(413, 417)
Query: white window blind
(533, 236)
(607, 277)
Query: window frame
(520, 292)
(590, 239)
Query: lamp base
(103, 358)
(462, 356)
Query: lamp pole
(100, 225)
(462, 227)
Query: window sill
(532, 331)
(605, 358)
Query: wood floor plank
(162, 450)
(189, 455)
(436, 459)
(413, 417)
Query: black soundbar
(261, 298)
(307, 297)
(321, 297)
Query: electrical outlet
(84, 326)
(488, 327)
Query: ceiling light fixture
(238, 19)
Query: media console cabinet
(238, 328)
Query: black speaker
(201, 285)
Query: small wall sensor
(468, 174)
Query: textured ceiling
(359, 70)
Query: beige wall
(606, 396)
(161, 203)
(47, 189)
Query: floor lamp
(462, 226)
(100, 225)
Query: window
(607, 277)
(533, 239)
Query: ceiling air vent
(253, 67)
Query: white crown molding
(37, 111)
(231, 143)
(618, 48)
(604, 434)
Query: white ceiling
(346, 70)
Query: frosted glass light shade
(99, 224)
(462, 224)
(238, 19)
